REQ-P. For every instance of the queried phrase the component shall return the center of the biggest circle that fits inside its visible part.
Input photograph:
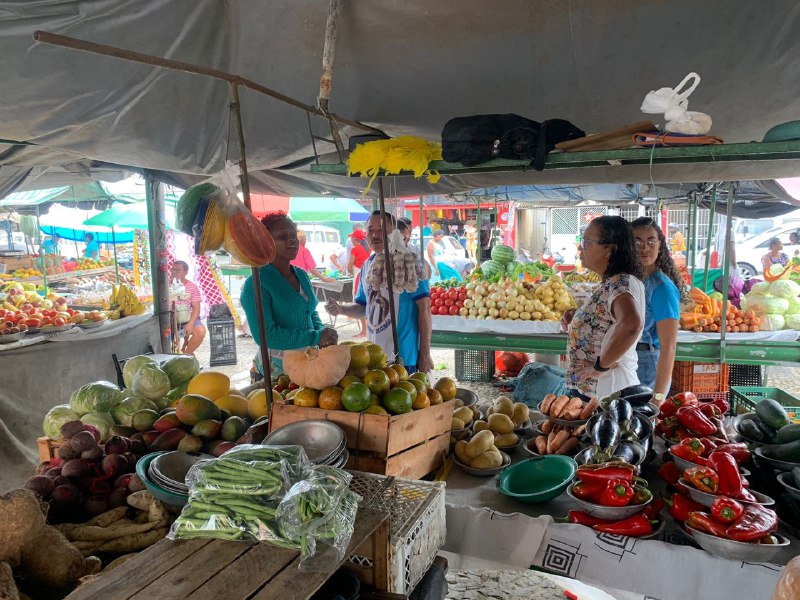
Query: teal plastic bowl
(537, 479)
(158, 492)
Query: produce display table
(214, 569)
(340, 290)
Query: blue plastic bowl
(537, 479)
(158, 492)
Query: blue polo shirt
(662, 299)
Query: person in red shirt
(193, 331)
(358, 255)
(305, 261)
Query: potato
(488, 460)
(461, 452)
(500, 423)
(504, 405)
(465, 414)
(480, 443)
(504, 440)
(479, 426)
(456, 424)
(520, 416)
(458, 403)
(476, 414)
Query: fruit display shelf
(63, 276)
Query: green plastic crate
(744, 400)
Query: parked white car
(321, 241)
(750, 251)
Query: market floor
(786, 378)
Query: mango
(207, 430)
(190, 443)
(218, 447)
(167, 422)
(148, 437)
(122, 431)
(168, 440)
(232, 429)
(193, 408)
(143, 420)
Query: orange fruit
(394, 377)
(421, 401)
(359, 357)
(377, 381)
(331, 398)
(447, 388)
(402, 374)
(348, 380)
(419, 384)
(409, 387)
(434, 396)
(377, 357)
(306, 396)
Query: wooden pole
(147, 59)
(157, 233)
(389, 268)
(326, 80)
(256, 273)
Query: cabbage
(151, 382)
(56, 417)
(761, 288)
(180, 369)
(132, 365)
(100, 396)
(784, 288)
(102, 420)
(764, 305)
(793, 322)
(794, 306)
(715, 296)
(772, 323)
(123, 412)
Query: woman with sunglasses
(601, 348)
(663, 288)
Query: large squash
(317, 368)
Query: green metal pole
(421, 236)
(478, 219)
(726, 271)
(691, 249)
(711, 216)
(41, 255)
(114, 245)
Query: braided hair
(664, 262)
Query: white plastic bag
(674, 104)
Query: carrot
(550, 438)
(547, 403)
(541, 444)
(546, 427)
(744, 328)
(571, 405)
(755, 329)
(589, 408)
(579, 431)
(558, 405)
(698, 330)
(558, 441)
(568, 446)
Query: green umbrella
(128, 216)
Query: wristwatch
(598, 368)
(659, 397)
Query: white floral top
(590, 332)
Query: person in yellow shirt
(676, 240)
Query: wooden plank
(380, 556)
(374, 428)
(127, 579)
(192, 573)
(291, 584)
(247, 575)
(408, 430)
(420, 460)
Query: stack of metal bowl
(323, 441)
(168, 470)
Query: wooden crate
(47, 448)
(409, 445)
(17, 262)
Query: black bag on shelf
(481, 138)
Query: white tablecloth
(499, 326)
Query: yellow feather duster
(406, 153)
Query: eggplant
(646, 410)
(606, 432)
(638, 399)
(631, 452)
(620, 410)
(634, 390)
(636, 426)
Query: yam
(571, 405)
(458, 403)
(480, 443)
(568, 446)
(547, 402)
(456, 424)
(541, 444)
(558, 405)
(461, 452)
(140, 500)
(157, 513)
(8, 587)
(501, 423)
(589, 408)
(22, 519)
(107, 518)
(142, 516)
(491, 459)
(91, 532)
(505, 440)
(504, 405)
(546, 427)
(480, 426)
(465, 414)
(521, 413)
(132, 543)
(51, 561)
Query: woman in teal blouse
(289, 302)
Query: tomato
(452, 294)
(453, 310)
(448, 303)
(459, 304)
(462, 296)
(59, 322)
(443, 310)
(2, 312)
(45, 321)
(439, 302)
(32, 322)
(434, 310)
(462, 290)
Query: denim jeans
(646, 371)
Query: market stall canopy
(68, 223)
(402, 67)
(84, 195)
(128, 216)
(309, 210)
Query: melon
(211, 384)
(491, 268)
(502, 253)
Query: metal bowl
(657, 529)
(12, 337)
(173, 466)
(641, 454)
(612, 513)
(706, 499)
(563, 422)
(468, 397)
(684, 464)
(774, 463)
(484, 472)
(510, 449)
(735, 425)
(92, 324)
(322, 440)
(159, 492)
(787, 481)
(743, 551)
(57, 328)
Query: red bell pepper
(755, 523)
(730, 480)
(726, 510)
(682, 433)
(635, 526)
(651, 510)
(739, 452)
(746, 496)
(603, 473)
(587, 491)
(709, 410)
(669, 426)
(667, 410)
(704, 479)
(693, 420)
(722, 404)
(689, 449)
(617, 493)
(581, 518)
(684, 399)
(669, 472)
(680, 506)
(704, 522)
(720, 428)
(641, 495)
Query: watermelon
(503, 254)
(189, 205)
(511, 267)
(491, 268)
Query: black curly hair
(664, 262)
(617, 233)
(272, 219)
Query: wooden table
(217, 569)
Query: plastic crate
(416, 512)
(474, 365)
(750, 375)
(745, 398)
(700, 377)
(222, 337)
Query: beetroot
(92, 454)
(71, 428)
(66, 504)
(117, 445)
(123, 480)
(61, 480)
(94, 431)
(138, 446)
(42, 485)
(67, 452)
(83, 441)
(95, 505)
(132, 460)
(118, 497)
(98, 486)
(53, 472)
(114, 464)
(135, 484)
(75, 468)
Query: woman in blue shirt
(664, 289)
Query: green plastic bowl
(537, 479)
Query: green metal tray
(744, 399)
